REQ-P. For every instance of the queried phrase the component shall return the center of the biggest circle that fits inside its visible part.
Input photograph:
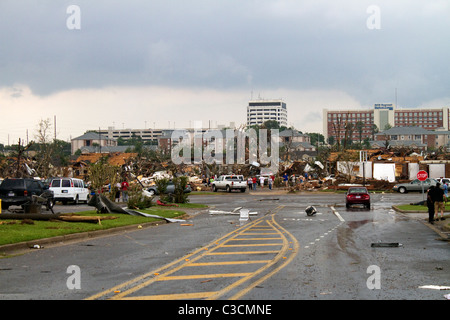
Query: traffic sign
(422, 175)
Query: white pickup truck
(229, 182)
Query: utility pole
(363, 159)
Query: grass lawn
(417, 208)
(13, 231)
(411, 207)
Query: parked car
(230, 182)
(170, 189)
(19, 192)
(69, 189)
(415, 185)
(357, 195)
(443, 180)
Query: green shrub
(137, 200)
(161, 185)
(179, 195)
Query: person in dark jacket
(430, 204)
(438, 198)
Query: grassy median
(14, 231)
(419, 208)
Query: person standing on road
(438, 199)
(261, 181)
(430, 204)
(250, 182)
(254, 183)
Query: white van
(69, 189)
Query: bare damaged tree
(348, 134)
(338, 125)
(359, 126)
(45, 148)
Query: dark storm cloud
(297, 45)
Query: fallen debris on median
(235, 211)
(104, 205)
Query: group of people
(436, 198)
(253, 182)
(286, 178)
(122, 189)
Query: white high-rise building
(260, 111)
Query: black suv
(19, 192)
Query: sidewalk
(440, 227)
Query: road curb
(25, 246)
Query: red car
(357, 195)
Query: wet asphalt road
(327, 256)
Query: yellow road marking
(278, 257)
(243, 239)
(174, 296)
(169, 265)
(256, 233)
(164, 273)
(251, 245)
(201, 276)
(224, 263)
(243, 252)
(264, 278)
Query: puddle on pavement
(357, 224)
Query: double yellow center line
(240, 249)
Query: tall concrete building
(144, 134)
(260, 111)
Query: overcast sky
(136, 64)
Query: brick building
(364, 123)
